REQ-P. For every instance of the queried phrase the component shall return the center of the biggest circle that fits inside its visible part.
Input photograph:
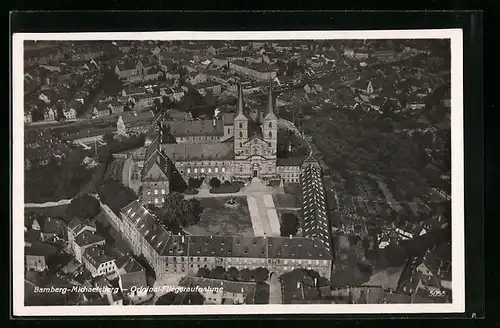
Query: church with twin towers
(238, 145)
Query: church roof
(199, 152)
(196, 128)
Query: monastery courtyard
(261, 207)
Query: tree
(245, 275)
(177, 210)
(203, 272)
(289, 224)
(261, 274)
(214, 182)
(232, 274)
(85, 207)
(195, 183)
(108, 138)
(218, 273)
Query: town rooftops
(40, 249)
(185, 152)
(196, 128)
(296, 161)
(53, 225)
(88, 238)
(129, 264)
(96, 256)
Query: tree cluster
(179, 211)
(85, 207)
(57, 180)
(116, 195)
(289, 224)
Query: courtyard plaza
(260, 202)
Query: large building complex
(228, 147)
(168, 253)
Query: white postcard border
(458, 234)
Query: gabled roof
(147, 225)
(158, 160)
(314, 207)
(88, 238)
(96, 256)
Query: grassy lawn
(217, 219)
(285, 200)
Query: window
(270, 124)
(270, 134)
(163, 191)
(216, 170)
(209, 170)
(241, 134)
(195, 170)
(149, 192)
(156, 200)
(241, 126)
(188, 170)
(156, 191)
(223, 169)
(241, 169)
(202, 170)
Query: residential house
(49, 114)
(28, 118)
(97, 262)
(132, 274)
(127, 68)
(70, 114)
(85, 240)
(50, 228)
(101, 109)
(38, 256)
(76, 227)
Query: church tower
(240, 125)
(270, 123)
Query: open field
(217, 219)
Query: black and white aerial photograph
(268, 172)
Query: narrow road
(275, 296)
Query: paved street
(275, 296)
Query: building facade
(168, 253)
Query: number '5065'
(437, 293)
